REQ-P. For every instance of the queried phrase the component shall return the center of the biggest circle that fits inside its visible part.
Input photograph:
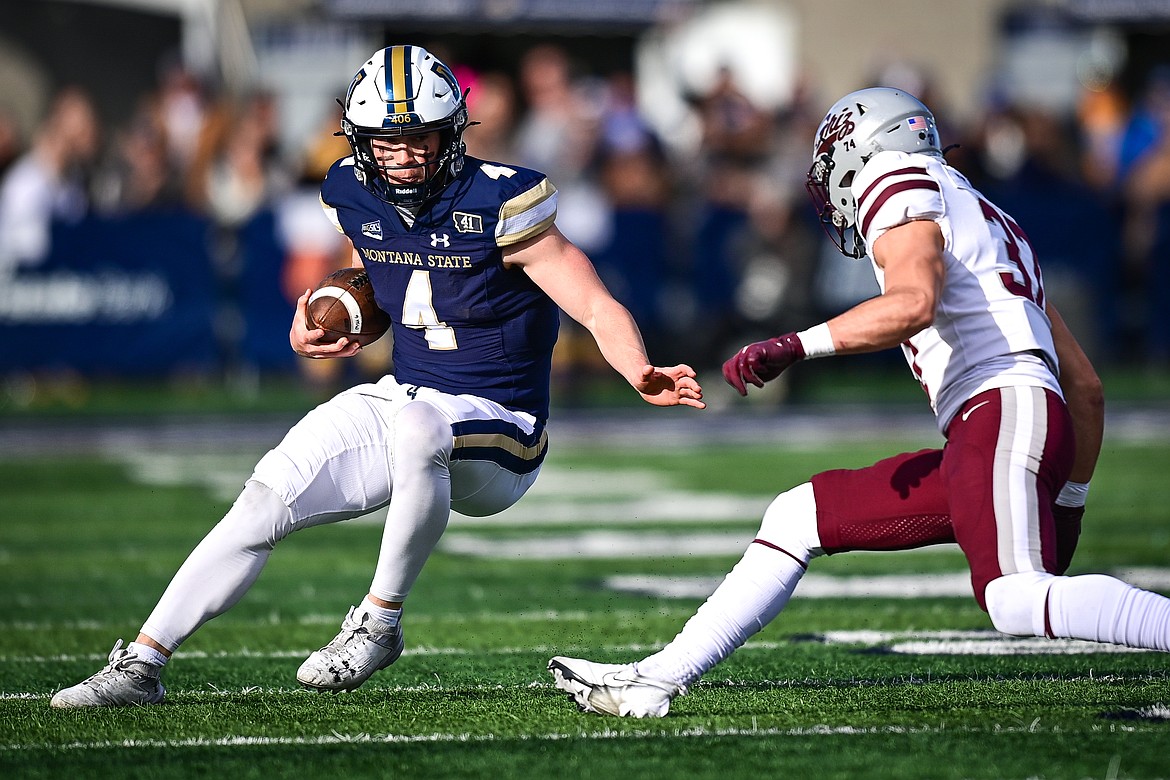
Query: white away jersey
(989, 329)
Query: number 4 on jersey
(496, 171)
(419, 312)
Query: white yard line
(907, 642)
(605, 734)
(823, 586)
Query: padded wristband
(817, 341)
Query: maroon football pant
(990, 489)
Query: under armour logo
(444, 239)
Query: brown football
(343, 305)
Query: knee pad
(421, 434)
(790, 524)
(1015, 602)
(258, 519)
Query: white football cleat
(363, 646)
(613, 689)
(126, 680)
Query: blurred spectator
(737, 139)
(49, 182)
(313, 246)
(183, 107)
(236, 170)
(491, 104)
(1101, 115)
(556, 132)
(323, 148)
(635, 177)
(776, 253)
(1145, 181)
(142, 174)
(734, 129)
(236, 178)
(1147, 121)
(11, 143)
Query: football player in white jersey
(465, 257)
(1017, 400)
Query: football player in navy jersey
(465, 257)
(1018, 401)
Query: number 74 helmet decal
(857, 127)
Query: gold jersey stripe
(331, 213)
(528, 214)
(503, 442)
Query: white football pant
(373, 446)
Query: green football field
(882, 666)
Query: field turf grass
(88, 542)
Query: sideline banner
(128, 295)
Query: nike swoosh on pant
(967, 413)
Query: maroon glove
(762, 362)
(1068, 532)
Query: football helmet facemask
(857, 127)
(405, 91)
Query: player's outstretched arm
(567, 276)
(911, 256)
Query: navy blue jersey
(462, 322)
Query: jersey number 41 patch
(468, 223)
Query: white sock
(381, 614)
(1105, 609)
(750, 596)
(148, 654)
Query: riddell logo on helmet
(834, 129)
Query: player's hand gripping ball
(343, 305)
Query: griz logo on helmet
(835, 128)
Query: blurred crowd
(710, 247)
